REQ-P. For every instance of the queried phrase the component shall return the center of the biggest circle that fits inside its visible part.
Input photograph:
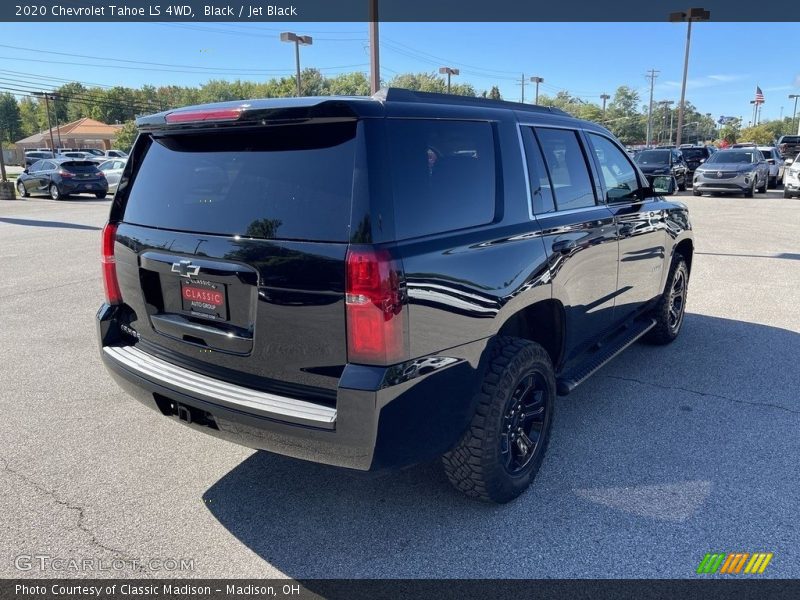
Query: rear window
(289, 182)
(82, 166)
(690, 153)
(790, 139)
(443, 175)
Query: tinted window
(443, 175)
(694, 153)
(35, 166)
(653, 157)
(617, 172)
(566, 163)
(734, 156)
(291, 182)
(79, 166)
(47, 166)
(541, 188)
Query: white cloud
(705, 81)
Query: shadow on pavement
(57, 224)
(657, 453)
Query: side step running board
(581, 372)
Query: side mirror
(788, 161)
(663, 185)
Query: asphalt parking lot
(666, 454)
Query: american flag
(759, 96)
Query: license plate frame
(203, 298)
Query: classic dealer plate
(205, 298)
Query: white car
(791, 177)
(112, 169)
(116, 154)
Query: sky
(727, 60)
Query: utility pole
(49, 124)
(666, 104)
(651, 75)
(448, 71)
(374, 58)
(537, 81)
(604, 98)
(55, 116)
(794, 112)
(693, 14)
(522, 83)
(305, 40)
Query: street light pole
(693, 14)
(305, 40)
(794, 112)
(448, 71)
(537, 81)
(604, 97)
(374, 58)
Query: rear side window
(572, 184)
(443, 175)
(289, 182)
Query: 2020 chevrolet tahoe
(375, 282)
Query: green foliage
(126, 136)
(760, 134)
(430, 82)
(9, 118)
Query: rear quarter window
(442, 173)
(288, 182)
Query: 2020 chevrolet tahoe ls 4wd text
(376, 282)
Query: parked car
(112, 169)
(33, 156)
(789, 146)
(791, 177)
(694, 157)
(116, 154)
(384, 280)
(93, 151)
(61, 177)
(664, 161)
(776, 164)
(732, 171)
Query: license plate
(204, 298)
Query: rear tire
(773, 182)
(671, 307)
(501, 452)
(682, 186)
(751, 192)
(55, 193)
(786, 193)
(696, 192)
(23, 192)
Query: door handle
(564, 246)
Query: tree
(126, 136)
(9, 118)
(494, 93)
(760, 134)
(430, 82)
(29, 117)
(349, 84)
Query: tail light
(374, 305)
(110, 283)
(66, 174)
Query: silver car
(776, 164)
(735, 171)
(112, 169)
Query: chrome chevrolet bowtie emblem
(185, 268)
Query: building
(83, 133)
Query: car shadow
(56, 224)
(650, 453)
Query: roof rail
(404, 95)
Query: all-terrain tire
(477, 466)
(668, 323)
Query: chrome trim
(531, 216)
(219, 392)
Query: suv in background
(775, 162)
(789, 146)
(33, 156)
(659, 162)
(791, 177)
(375, 282)
(741, 170)
(694, 157)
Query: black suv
(375, 282)
(694, 156)
(661, 162)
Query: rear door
(231, 251)
(578, 230)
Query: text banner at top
(395, 11)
